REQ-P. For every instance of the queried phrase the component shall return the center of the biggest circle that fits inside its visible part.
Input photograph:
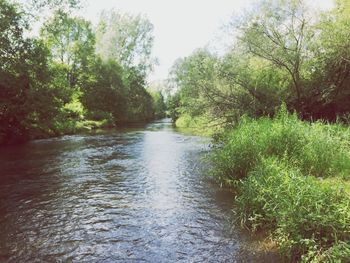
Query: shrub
(99, 116)
(251, 140)
(317, 149)
(74, 109)
(196, 125)
(326, 151)
(290, 180)
(305, 214)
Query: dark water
(136, 195)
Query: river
(130, 195)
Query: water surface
(133, 195)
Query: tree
(253, 87)
(44, 81)
(127, 39)
(330, 78)
(72, 44)
(173, 105)
(26, 98)
(279, 33)
(55, 3)
(139, 101)
(268, 65)
(35, 8)
(195, 76)
(344, 7)
(158, 104)
(106, 91)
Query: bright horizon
(180, 26)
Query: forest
(277, 105)
(72, 77)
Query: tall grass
(306, 215)
(291, 177)
(318, 149)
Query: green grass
(320, 150)
(291, 179)
(306, 215)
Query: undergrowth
(291, 179)
(200, 125)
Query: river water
(132, 195)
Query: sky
(180, 26)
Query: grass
(292, 180)
(320, 150)
(307, 216)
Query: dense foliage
(283, 52)
(58, 83)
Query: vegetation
(277, 103)
(320, 150)
(158, 104)
(289, 164)
(292, 180)
(283, 53)
(63, 81)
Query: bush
(184, 121)
(197, 125)
(99, 116)
(317, 149)
(305, 214)
(74, 110)
(290, 180)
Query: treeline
(72, 76)
(282, 52)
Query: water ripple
(123, 196)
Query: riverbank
(292, 182)
(68, 127)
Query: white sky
(180, 26)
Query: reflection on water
(136, 195)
